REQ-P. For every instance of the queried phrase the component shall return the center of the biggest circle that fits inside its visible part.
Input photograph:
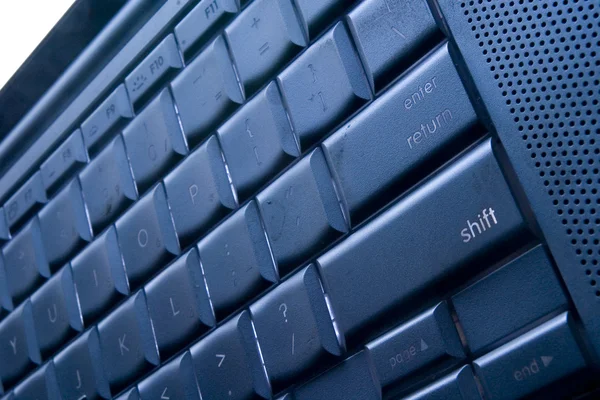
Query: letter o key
(142, 238)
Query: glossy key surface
(459, 385)
(15, 351)
(41, 384)
(323, 86)
(175, 380)
(236, 261)
(70, 156)
(441, 218)
(265, 35)
(258, 141)
(301, 212)
(154, 141)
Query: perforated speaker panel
(536, 65)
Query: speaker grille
(545, 58)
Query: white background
(23, 25)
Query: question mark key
(294, 328)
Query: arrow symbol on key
(424, 345)
(222, 357)
(546, 360)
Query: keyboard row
(386, 269)
(261, 39)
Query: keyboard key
(69, 157)
(294, 328)
(53, 314)
(4, 233)
(390, 35)
(14, 349)
(162, 62)
(324, 86)
(64, 225)
(131, 394)
(429, 339)
(107, 185)
(25, 263)
(79, 370)
(176, 380)
(206, 91)
(532, 361)
(112, 114)
(201, 22)
(222, 367)
(352, 379)
(459, 385)
(40, 385)
(317, 14)
(198, 192)
(263, 38)
(388, 147)
(175, 308)
(127, 343)
(146, 236)
(301, 212)
(528, 283)
(99, 276)
(25, 202)
(437, 217)
(236, 261)
(258, 141)
(5, 299)
(154, 141)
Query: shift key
(422, 121)
(464, 216)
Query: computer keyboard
(295, 200)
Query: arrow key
(427, 340)
(174, 381)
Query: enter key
(429, 339)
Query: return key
(415, 126)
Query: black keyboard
(284, 200)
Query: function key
(64, 225)
(301, 212)
(204, 19)
(390, 35)
(222, 366)
(258, 141)
(263, 38)
(430, 339)
(127, 343)
(146, 236)
(155, 69)
(25, 202)
(199, 192)
(112, 114)
(107, 185)
(69, 157)
(25, 263)
(532, 361)
(324, 86)
(294, 329)
(207, 91)
(154, 141)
